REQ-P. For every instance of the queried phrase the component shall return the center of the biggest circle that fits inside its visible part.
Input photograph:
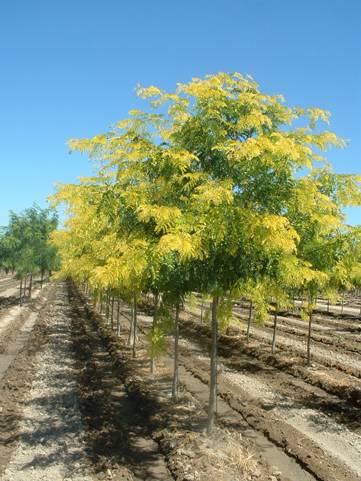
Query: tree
(24, 244)
(218, 179)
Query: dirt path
(50, 433)
(336, 309)
(10, 292)
(350, 363)
(344, 340)
(9, 288)
(7, 281)
(115, 428)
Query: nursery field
(196, 312)
(76, 405)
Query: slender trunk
(118, 316)
(152, 365)
(131, 327)
(274, 331)
(213, 369)
(328, 305)
(152, 353)
(112, 314)
(41, 279)
(24, 289)
(101, 302)
(249, 321)
(342, 303)
(21, 292)
(309, 337)
(202, 312)
(30, 285)
(152, 357)
(107, 306)
(176, 354)
(134, 324)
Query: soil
(177, 429)
(325, 446)
(327, 371)
(76, 406)
(17, 370)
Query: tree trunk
(107, 306)
(41, 279)
(202, 311)
(112, 314)
(118, 316)
(249, 321)
(21, 292)
(30, 285)
(309, 338)
(134, 324)
(213, 368)
(131, 326)
(274, 331)
(152, 365)
(101, 302)
(342, 303)
(24, 289)
(176, 355)
(152, 360)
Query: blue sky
(69, 68)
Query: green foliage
(225, 313)
(157, 342)
(24, 245)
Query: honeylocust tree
(327, 250)
(216, 174)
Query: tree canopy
(24, 243)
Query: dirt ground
(74, 405)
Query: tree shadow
(119, 419)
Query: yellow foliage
(147, 92)
(275, 233)
(163, 216)
(214, 193)
(188, 246)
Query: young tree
(218, 176)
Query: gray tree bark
(213, 369)
(176, 354)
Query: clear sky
(68, 69)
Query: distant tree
(25, 248)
